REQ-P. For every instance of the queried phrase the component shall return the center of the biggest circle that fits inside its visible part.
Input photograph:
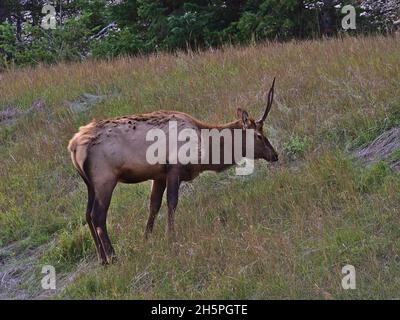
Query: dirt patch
(37, 106)
(85, 102)
(20, 273)
(17, 269)
(385, 147)
(11, 114)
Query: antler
(269, 104)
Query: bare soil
(382, 148)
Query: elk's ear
(244, 116)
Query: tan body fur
(110, 151)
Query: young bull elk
(110, 151)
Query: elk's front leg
(172, 201)
(157, 191)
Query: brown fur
(109, 151)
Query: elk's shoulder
(152, 118)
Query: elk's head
(262, 147)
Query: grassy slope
(284, 232)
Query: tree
(142, 26)
(381, 14)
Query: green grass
(296, 146)
(284, 232)
(375, 128)
(395, 156)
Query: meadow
(284, 232)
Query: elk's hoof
(112, 259)
(103, 262)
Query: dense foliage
(106, 28)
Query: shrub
(8, 45)
(117, 43)
(296, 146)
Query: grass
(296, 146)
(375, 128)
(284, 232)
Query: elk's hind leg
(91, 195)
(157, 191)
(103, 193)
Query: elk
(109, 151)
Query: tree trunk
(328, 18)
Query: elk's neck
(231, 126)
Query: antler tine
(269, 104)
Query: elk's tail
(78, 146)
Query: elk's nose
(275, 157)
